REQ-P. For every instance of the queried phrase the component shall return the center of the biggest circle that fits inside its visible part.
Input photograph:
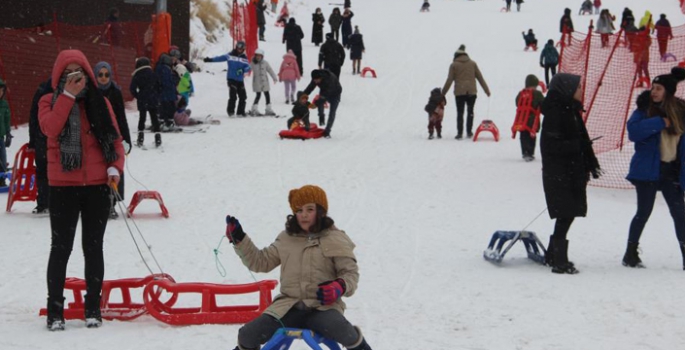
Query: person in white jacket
(261, 70)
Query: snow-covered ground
(421, 212)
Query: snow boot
(439, 131)
(93, 314)
(255, 111)
(141, 139)
(362, 346)
(158, 139)
(55, 314)
(269, 111)
(459, 137)
(39, 210)
(430, 136)
(632, 258)
(287, 100)
(561, 264)
(322, 120)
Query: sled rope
(130, 174)
(125, 213)
(220, 267)
(532, 221)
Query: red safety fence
(611, 82)
(682, 5)
(244, 26)
(27, 56)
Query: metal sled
(535, 249)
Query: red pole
(13, 119)
(54, 20)
(588, 41)
(601, 78)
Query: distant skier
(261, 20)
(598, 6)
(518, 5)
(436, 112)
(238, 65)
(508, 8)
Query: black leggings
(92, 203)
(331, 324)
(267, 96)
(561, 227)
(153, 118)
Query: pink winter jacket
(289, 68)
(52, 119)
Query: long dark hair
(322, 222)
(672, 108)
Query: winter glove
(206, 59)
(127, 147)
(8, 140)
(234, 232)
(330, 291)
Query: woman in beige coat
(318, 268)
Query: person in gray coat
(261, 69)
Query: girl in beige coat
(318, 268)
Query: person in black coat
(346, 27)
(317, 27)
(292, 37)
(331, 55)
(335, 20)
(38, 142)
(348, 4)
(145, 89)
(566, 24)
(261, 20)
(356, 49)
(567, 162)
(330, 91)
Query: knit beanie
(670, 81)
(532, 81)
(461, 49)
(307, 194)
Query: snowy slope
(421, 212)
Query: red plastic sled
(22, 187)
(300, 133)
(489, 126)
(209, 312)
(368, 70)
(140, 195)
(123, 311)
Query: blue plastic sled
(8, 177)
(284, 337)
(495, 253)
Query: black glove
(234, 231)
(643, 100)
(206, 59)
(8, 140)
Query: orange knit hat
(307, 194)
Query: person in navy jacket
(657, 127)
(238, 65)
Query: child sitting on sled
(531, 41)
(321, 269)
(436, 111)
(300, 112)
(182, 115)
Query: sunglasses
(106, 75)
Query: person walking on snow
(508, 2)
(261, 70)
(656, 127)
(317, 26)
(463, 73)
(436, 111)
(567, 162)
(145, 89)
(292, 37)
(605, 26)
(518, 5)
(566, 25)
(321, 269)
(356, 42)
(330, 91)
(335, 20)
(346, 27)
(647, 22)
(664, 33)
(549, 59)
(261, 20)
(531, 111)
(289, 74)
(598, 6)
(238, 65)
(167, 86)
(331, 55)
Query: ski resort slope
(420, 212)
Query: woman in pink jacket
(289, 74)
(85, 156)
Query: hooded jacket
(238, 65)
(260, 75)
(305, 261)
(292, 36)
(144, 86)
(549, 55)
(332, 53)
(289, 68)
(463, 73)
(647, 21)
(52, 119)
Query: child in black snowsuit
(436, 111)
(300, 111)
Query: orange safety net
(611, 69)
(27, 55)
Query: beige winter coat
(305, 262)
(464, 72)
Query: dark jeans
(92, 203)
(646, 195)
(42, 177)
(331, 324)
(153, 118)
(262, 29)
(548, 68)
(236, 90)
(663, 46)
(527, 144)
(469, 101)
(336, 33)
(267, 96)
(168, 110)
(298, 57)
(332, 109)
(3, 156)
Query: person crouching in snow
(426, 6)
(182, 115)
(289, 74)
(528, 102)
(436, 111)
(321, 269)
(300, 112)
(260, 82)
(531, 41)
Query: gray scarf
(70, 138)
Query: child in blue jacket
(238, 65)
